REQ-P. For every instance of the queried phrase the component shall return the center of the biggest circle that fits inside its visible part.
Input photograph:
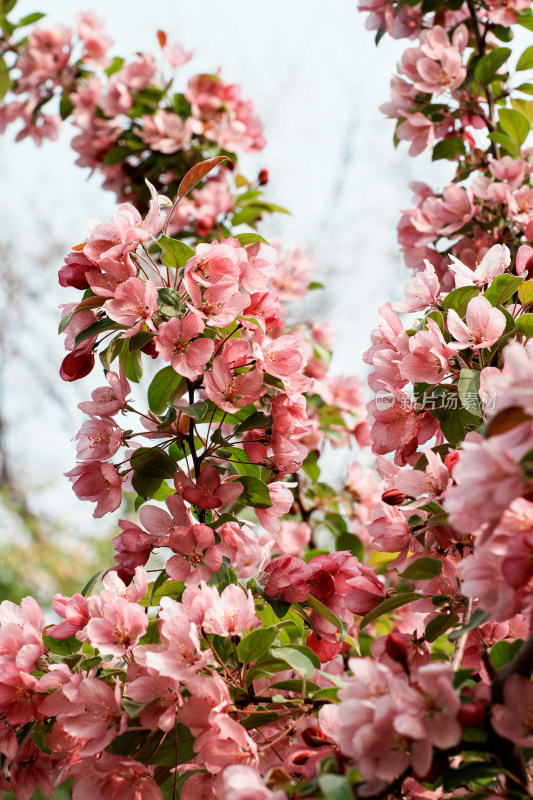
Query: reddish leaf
(507, 419)
(198, 172)
(162, 38)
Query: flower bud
(262, 178)
(393, 497)
(471, 715)
(396, 649)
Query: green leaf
(256, 644)
(255, 492)
(526, 88)
(256, 420)
(5, 79)
(97, 327)
(197, 411)
(391, 604)
(458, 299)
(505, 142)
(315, 285)
(448, 148)
(113, 349)
(175, 252)
(29, 19)
(61, 647)
(503, 652)
(87, 589)
(147, 461)
(526, 59)
(295, 658)
(487, 66)
(115, 65)
(326, 612)
(439, 625)
(525, 292)
(478, 618)
(310, 465)
(349, 541)
(470, 772)
(161, 389)
(524, 323)
(131, 363)
(502, 288)
(335, 787)
(468, 388)
(514, 124)
(169, 302)
(250, 238)
(423, 569)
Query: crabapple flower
(176, 342)
(197, 555)
(99, 482)
(75, 613)
(229, 391)
(287, 577)
(108, 400)
(282, 500)
(514, 718)
(494, 262)
(484, 325)
(119, 627)
(133, 305)
(232, 614)
(98, 439)
(208, 491)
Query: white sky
(317, 80)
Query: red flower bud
(313, 737)
(396, 649)
(150, 349)
(471, 715)
(451, 459)
(393, 497)
(76, 365)
(262, 178)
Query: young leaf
(197, 173)
(423, 569)
(296, 659)
(391, 604)
(255, 492)
(487, 67)
(514, 124)
(256, 644)
(526, 59)
(163, 385)
(175, 252)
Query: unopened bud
(397, 650)
(471, 715)
(313, 737)
(393, 497)
(262, 178)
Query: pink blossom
(120, 626)
(197, 555)
(165, 132)
(240, 782)
(494, 262)
(282, 357)
(425, 355)
(208, 491)
(287, 577)
(95, 42)
(282, 500)
(74, 612)
(133, 305)
(96, 715)
(233, 614)
(107, 400)
(232, 391)
(98, 482)
(421, 291)
(108, 777)
(98, 439)
(177, 343)
(513, 718)
(484, 325)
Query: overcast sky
(317, 80)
